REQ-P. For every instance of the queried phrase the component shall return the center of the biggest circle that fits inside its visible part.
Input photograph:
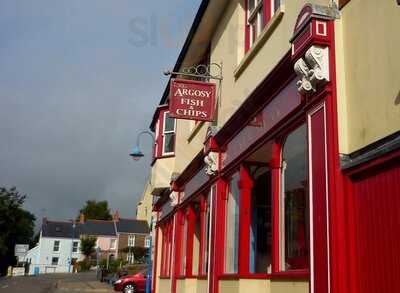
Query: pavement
(55, 283)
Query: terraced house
(291, 184)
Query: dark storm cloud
(76, 87)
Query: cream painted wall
(161, 172)
(254, 286)
(228, 48)
(263, 286)
(289, 287)
(144, 207)
(368, 71)
(228, 286)
(164, 286)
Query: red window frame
(166, 249)
(159, 135)
(268, 12)
(245, 186)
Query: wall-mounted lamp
(136, 152)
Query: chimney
(116, 216)
(82, 218)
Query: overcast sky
(78, 80)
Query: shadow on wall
(397, 99)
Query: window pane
(251, 4)
(169, 123)
(196, 240)
(232, 226)
(183, 245)
(295, 187)
(277, 4)
(260, 230)
(206, 235)
(169, 143)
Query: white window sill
(258, 44)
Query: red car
(131, 283)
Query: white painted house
(57, 250)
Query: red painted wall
(376, 198)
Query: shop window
(168, 135)
(183, 243)
(261, 219)
(295, 205)
(258, 13)
(196, 239)
(232, 226)
(205, 234)
(166, 249)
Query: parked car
(131, 283)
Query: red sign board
(192, 100)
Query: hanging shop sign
(192, 100)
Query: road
(54, 283)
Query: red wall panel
(377, 230)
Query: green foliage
(139, 253)
(114, 265)
(87, 245)
(16, 225)
(94, 210)
(84, 266)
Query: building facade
(58, 248)
(294, 186)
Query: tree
(87, 245)
(94, 210)
(16, 225)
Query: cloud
(75, 92)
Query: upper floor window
(131, 240)
(168, 134)
(258, 14)
(75, 245)
(165, 129)
(295, 205)
(147, 242)
(113, 243)
(56, 246)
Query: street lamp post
(136, 155)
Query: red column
(275, 166)
(216, 251)
(191, 219)
(203, 244)
(245, 187)
(176, 259)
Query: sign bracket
(200, 71)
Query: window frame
(268, 10)
(53, 263)
(164, 133)
(282, 232)
(75, 248)
(238, 215)
(131, 240)
(58, 246)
